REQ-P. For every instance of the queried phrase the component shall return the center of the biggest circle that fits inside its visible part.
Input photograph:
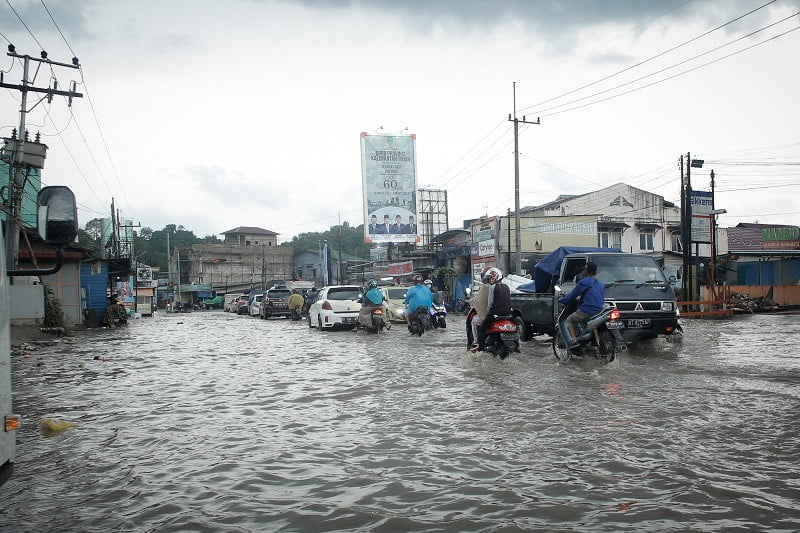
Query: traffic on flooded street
(213, 421)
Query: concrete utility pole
(517, 236)
(25, 155)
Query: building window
(247, 243)
(611, 239)
(675, 243)
(646, 240)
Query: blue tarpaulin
(547, 270)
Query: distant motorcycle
(296, 314)
(419, 321)
(438, 316)
(598, 337)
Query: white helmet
(493, 275)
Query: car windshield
(344, 293)
(396, 294)
(278, 293)
(628, 269)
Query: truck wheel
(523, 328)
(560, 348)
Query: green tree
(345, 237)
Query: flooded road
(209, 421)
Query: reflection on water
(215, 422)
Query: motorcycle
(438, 316)
(599, 336)
(419, 321)
(378, 320)
(502, 337)
(296, 314)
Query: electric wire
(651, 58)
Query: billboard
(702, 205)
(389, 174)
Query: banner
(398, 269)
(389, 174)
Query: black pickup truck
(634, 284)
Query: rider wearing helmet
(416, 297)
(371, 299)
(480, 302)
(499, 303)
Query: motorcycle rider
(370, 300)
(592, 294)
(296, 302)
(417, 296)
(499, 304)
(480, 302)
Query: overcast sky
(248, 113)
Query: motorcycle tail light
(12, 422)
(377, 312)
(326, 305)
(614, 315)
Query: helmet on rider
(428, 283)
(417, 279)
(372, 284)
(493, 275)
(483, 274)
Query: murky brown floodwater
(215, 422)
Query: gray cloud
(555, 20)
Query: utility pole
(339, 277)
(517, 236)
(686, 228)
(26, 153)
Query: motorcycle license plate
(615, 324)
(509, 337)
(638, 322)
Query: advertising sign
(484, 229)
(389, 174)
(484, 249)
(702, 205)
(144, 275)
(397, 269)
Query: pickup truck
(634, 284)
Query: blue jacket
(417, 296)
(373, 297)
(593, 292)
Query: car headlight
(667, 306)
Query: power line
(651, 58)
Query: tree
(345, 237)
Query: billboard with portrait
(389, 174)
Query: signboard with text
(702, 205)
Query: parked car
(335, 306)
(230, 300)
(255, 304)
(275, 303)
(395, 303)
(241, 305)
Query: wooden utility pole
(517, 236)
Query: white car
(335, 306)
(255, 305)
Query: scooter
(502, 337)
(599, 336)
(378, 320)
(419, 321)
(438, 316)
(296, 314)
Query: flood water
(209, 421)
